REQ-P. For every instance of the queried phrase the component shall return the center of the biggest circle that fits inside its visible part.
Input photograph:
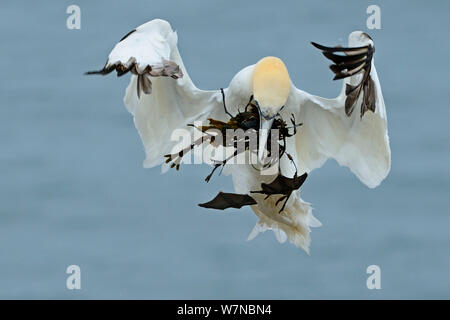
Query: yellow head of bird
(271, 86)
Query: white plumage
(360, 143)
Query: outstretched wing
(330, 128)
(161, 96)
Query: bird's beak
(264, 126)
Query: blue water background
(73, 190)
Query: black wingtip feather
(102, 72)
(337, 48)
(93, 72)
(356, 60)
(127, 35)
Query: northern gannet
(162, 98)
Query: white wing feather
(172, 103)
(362, 144)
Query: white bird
(162, 98)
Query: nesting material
(248, 119)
